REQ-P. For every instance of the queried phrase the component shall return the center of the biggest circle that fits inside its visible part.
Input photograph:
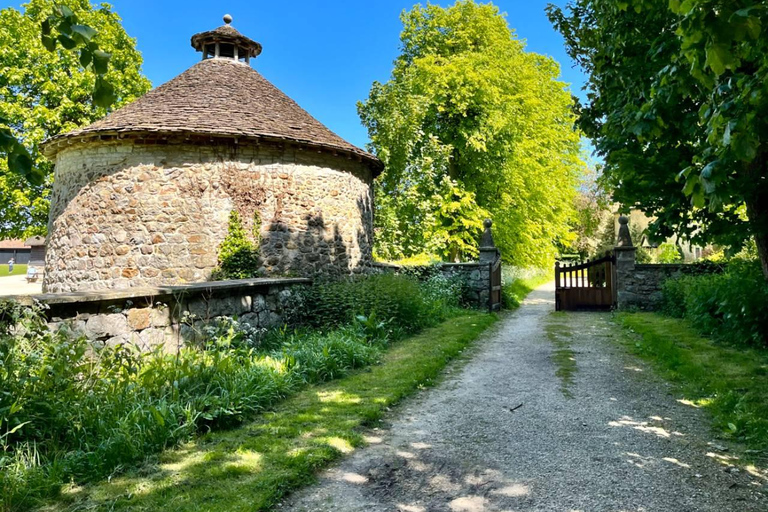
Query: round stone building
(142, 197)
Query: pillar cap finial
(486, 242)
(625, 238)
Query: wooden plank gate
(586, 286)
(494, 300)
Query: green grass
(17, 270)
(729, 382)
(253, 467)
(559, 333)
(514, 291)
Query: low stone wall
(475, 276)
(170, 316)
(641, 287)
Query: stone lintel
(157, 291)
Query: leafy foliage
(592, 220)
(68, 411)
(402, 300)
(63, 27)
(471, 125)
(238, 255)
(668, 253)
(728, 305)
(44, 93)
(676, 103)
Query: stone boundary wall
(640, 287)
(169, 316)
(476, 277)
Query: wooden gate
(494, 300)
(588, 285)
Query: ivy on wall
(238, 255)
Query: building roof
(219, 97)
(13, 243)
(35, 241)
(226, 33)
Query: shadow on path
(500, 434)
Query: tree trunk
(758, 220)
(757, 211)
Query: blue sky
(325, 55)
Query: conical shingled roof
(219, 97)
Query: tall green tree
(471, 125)
(676, 105)
(44, 92)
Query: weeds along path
(548, 415)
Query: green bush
(404, 301)
(71, 411)
(238, 256)
(669, 253)
(730, 305)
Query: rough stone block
(139, 319)
(100, 326)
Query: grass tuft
(517, 284)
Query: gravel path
(17, 285)
(595, 432)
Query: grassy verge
(18, 270)
(515, 290)
(731, 383)
(253, 467)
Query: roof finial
(227, 19)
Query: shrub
(402, 300)
(238, 256)
(668, 253)
(728, 305)
(70, 411)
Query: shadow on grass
(729, 382)
(253, 467)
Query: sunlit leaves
(44, 92)
(471, 125)
(700, 67)
(62, 26)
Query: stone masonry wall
(476, 278)
(126, 214)
(639, 286)
(167, 316)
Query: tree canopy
(43, 92)
(471, 125)
(676, 103)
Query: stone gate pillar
(625, 264)
(490, 271)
